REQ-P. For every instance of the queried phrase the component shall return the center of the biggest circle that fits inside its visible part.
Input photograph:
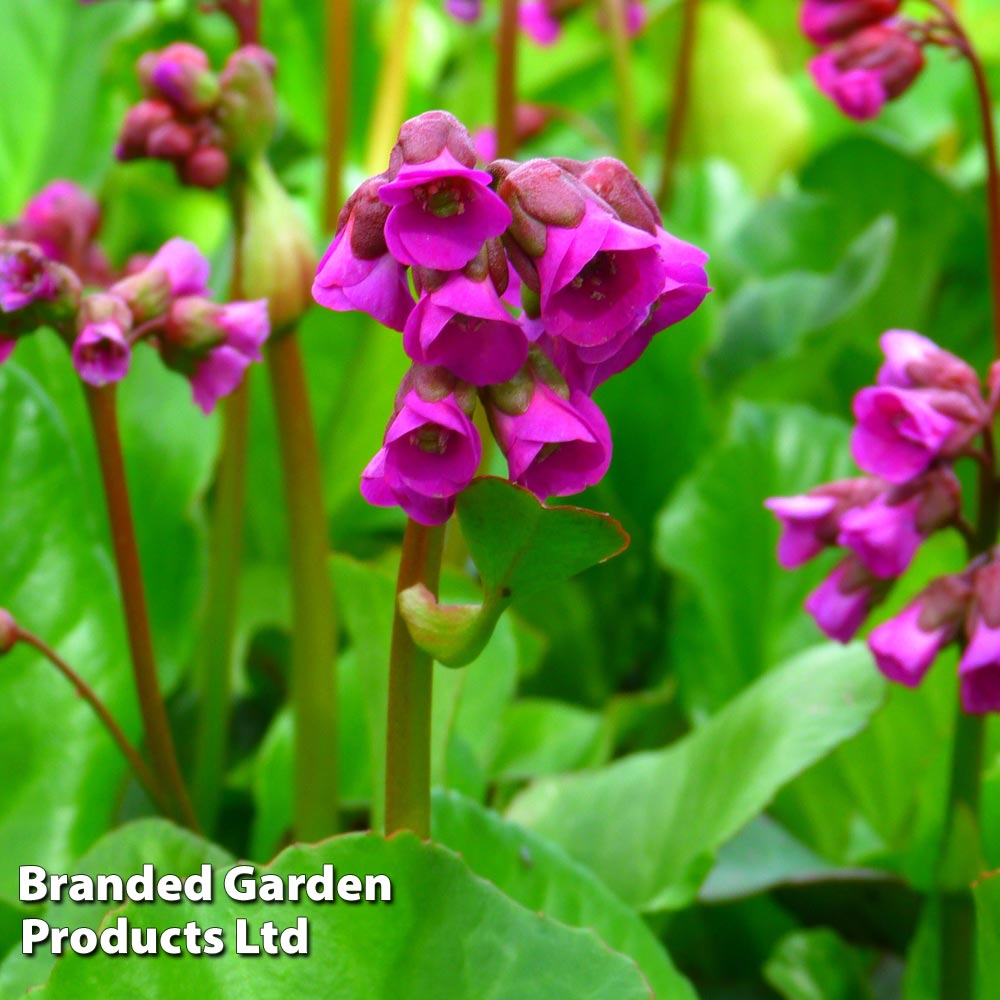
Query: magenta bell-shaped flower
(904, 647)
(874, 65)
(357, 271)
(556, 440)
(442, 213)
(824, 22)
(979, 669)
(840, 604)
(901, 431)
(429, 455)
(102, 352)
(463, 326)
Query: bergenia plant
(518, 288)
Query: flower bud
(206, 167)
(424, 138)
(916, 362)
(8, 632)
(247, 109)
(276, 251)
(841, 603)
(873, 66)
(63, 220)
(182, 74)
(141, 121)
(824, 22)
(611, 180)
(468, 11)
(170, 141)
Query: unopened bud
(140, 122)
(611, 180)
(207, 167)
(170, 141)
(425, 137)
(247, 108)
(181, 73)
(279, 262)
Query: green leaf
(519, 545)
(668, 811)
(817, 965)
(743, 612)
(540, 876)
(769, 318)
(443, 925)
(151, 841)
(738, 94)
(63, 774)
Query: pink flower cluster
(185, 114)
(869, 57)
(535, 283)
(541, 20)
(163, 300)
(926, 411)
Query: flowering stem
(616, 15)
(338, 103)
(131, 754)
(408, 750)
(314, 686)
(506, 89)
(957, 914)
(225, 557)
(104, 418)
(390, 95)
(680, 100)
(964, 45)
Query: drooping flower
(841, 603)
(905, 646)
(213, 344)
(429, 455)
(101, 351)
(901, 431)
(357, 271)
(442, 213)
(556, 440)
(824, 22)
(979, 669)
(463, 326)
(873, 66)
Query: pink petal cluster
(534, 284)
(926, 411)
(869, 57)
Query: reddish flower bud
(207, 167)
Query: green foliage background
(664, 750)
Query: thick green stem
(338, 103)
(628, 125)
(314, 684)
(411, 674)
(159, 742)
(215, 650)
(506, 87)
(680, 101)
(145, 777)
(958, 917)
(390, 94)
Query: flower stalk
(314, 691)
(101, 403)
(506, 88)
(628, 125)
(680, 101)
(338, 103)
(411, 675)
(139, 767)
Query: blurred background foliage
(767, 864)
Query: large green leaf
(444, 925)
(817, 965)
(743, 613)
(668, 811)
(62, 772)
(540, 876)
